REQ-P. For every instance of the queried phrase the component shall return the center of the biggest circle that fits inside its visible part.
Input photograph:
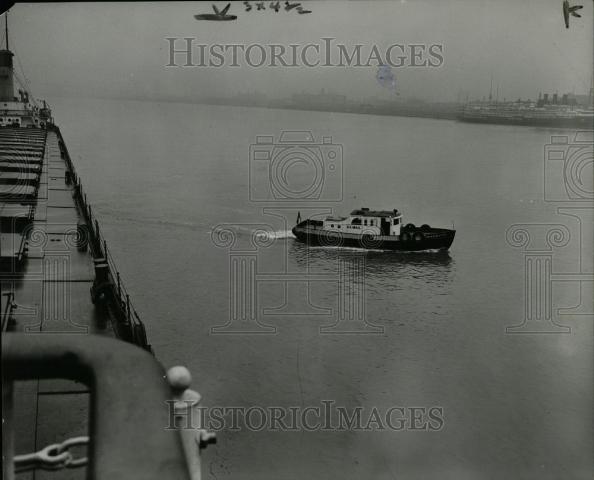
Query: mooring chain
(52, 457)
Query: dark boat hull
(550, 122)
(310, 232)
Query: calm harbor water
(162, 176)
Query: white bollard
(188, 418)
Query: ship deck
(45, 284)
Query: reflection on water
(384, 266)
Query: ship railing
(125, 312)
(123, 295)
(18, 111)
(90, 233)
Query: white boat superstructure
(366, 222)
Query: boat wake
(277, 235)
(262, 235)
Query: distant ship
(372, 229)
(556, 114)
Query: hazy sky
(119, 49)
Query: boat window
(365, 222)
(395, 221)
(356, 221)
(332, 225)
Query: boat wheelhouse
(366, 221)
(372, 229)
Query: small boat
(372, 229)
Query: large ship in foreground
(81, 390)
(373, 229)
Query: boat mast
(6, 28)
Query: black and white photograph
(293, 240)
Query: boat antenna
(6, 28)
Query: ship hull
(587, 122)
(312, 233)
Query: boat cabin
(366, 222)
